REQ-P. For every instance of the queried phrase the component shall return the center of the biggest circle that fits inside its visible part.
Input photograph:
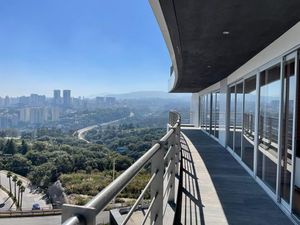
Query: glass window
(270, 91)
(231, 117)
(217, 112)
(287, 129)
(238, 119)
(249, 121)
(208, 108)
(213, 114)
(296, 188)
(201, 111)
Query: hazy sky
(88, 46)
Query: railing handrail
(102, 199)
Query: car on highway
(36, 206)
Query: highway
(6, 201)
(81, 132)
(102, 218)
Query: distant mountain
(150, 94)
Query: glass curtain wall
(249, 121)
(296, 187)
(241, 128)
(231, 126)
(267, 155)
(208, 111)
(217, 112)
(201, 112)
(238, 119)
(213, 114)
(287, 129)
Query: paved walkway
(217, 190)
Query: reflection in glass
(238, 119)
(208, 107)
(213, 113)
(296, 188)
(217, 111)
(249, 121)
(231, 117)
(270, 89)
(202, 110)
(287, 134)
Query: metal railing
(164, 157)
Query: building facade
(254, 114)
(66, 98)
(56, 97)
(240, 61)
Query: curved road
(29, 196)
(81, 132)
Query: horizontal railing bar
(100, 201)
(149, 209)
(167, 135)
(139, 199)
(73, 221)
(168, 153)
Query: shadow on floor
(242, 199)
(191, 208)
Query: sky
(88, 46)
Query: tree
(19, 164)
(22, 189)
(10, 147)
(43, 175)
(19, 184)
(23, 148)
(64, 163)
(8, 175)
(37, 158)
(15, 179)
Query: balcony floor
(217, 189)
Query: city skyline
(84, 47)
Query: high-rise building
(56, 97)
(110, 100)
(6, 101)
(25, 115)
(38, 115)
(100, 101)
(24, 100)
(55, 113)
(67, 98)
(37, 100)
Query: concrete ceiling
(213, 38)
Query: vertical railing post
(177, 148)
(157, 166)
(171, 175)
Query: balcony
(194, 181)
